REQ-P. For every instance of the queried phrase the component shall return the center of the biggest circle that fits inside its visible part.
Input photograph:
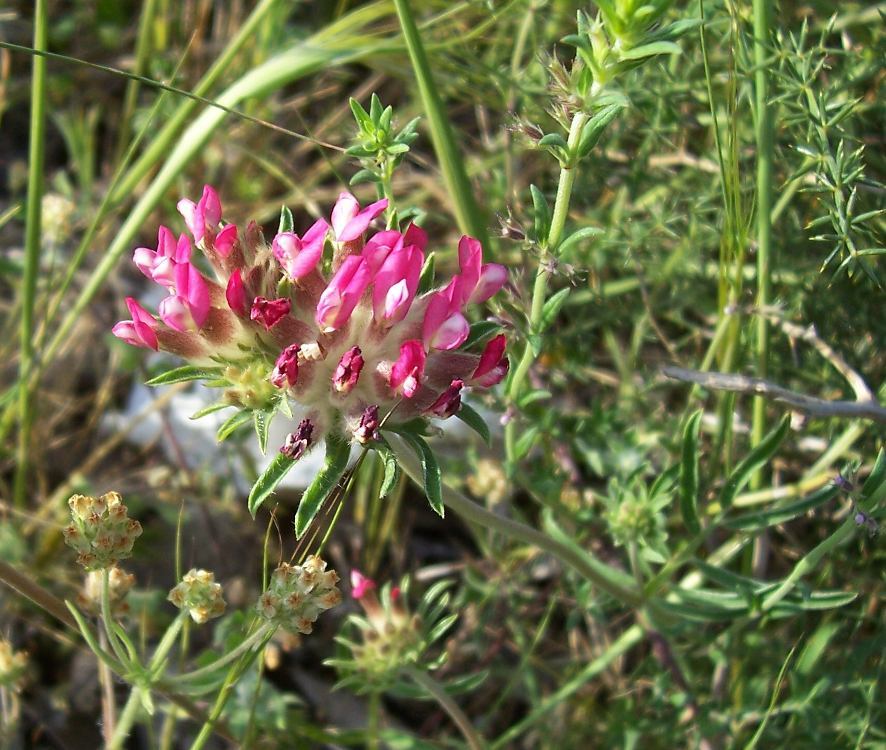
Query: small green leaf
(764, 519)
(689, 473)
(363, 176)
(183, 374)
(212, 408)
(472, 419)
(526, 441)
(261, 419)
(531, 397)
(338, 450)
(593, 129)
(753, 461)
(361, 116)
(541, 213)
(552, 308)
(480, 332)
(375, 109)
(578, 236)
(426, 278)
(231, 424)
(392, 470)
(287, 224)
(649, 50)
(430, 471)
(266, 484)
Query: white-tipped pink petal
(348, 221)
(136, 334)
(451, 334)
(343, 293)
(188, 210)
(493, 277)
(176, 313)
(407, 371)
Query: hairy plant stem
(601, 575)
(32, 252)
(126, 719)
(540, 287)
(263, 633)
(108, 621)
(422, 678)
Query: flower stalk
(424, 680)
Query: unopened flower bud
(285, 371)
(367, 431)
(449, 402)
(298, 442)
(348, 370)
(199, 594)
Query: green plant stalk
(263, 633)
(765, 155)
(126, 719)
(468, 213)
(630, 638)
(32, 251)
(444, 700)
(107, 621)
(167, 641)
(539, 288)
(601, 575)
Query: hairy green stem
(167, 641)
(32, 251)
(127, 718)
(444, 700)
(262, 634)
(539, 288)
(107, 620)
(601, 575)
(764, 136)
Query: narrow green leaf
(551, 308)
(758, 457)
(364, 122)
(338, 450)
(426, 278)
(875, 485)
(689, 473)
(183, 374)
(764, 519)
(363, 176)
(211, 409)
(266, 484)
(526, 441)
(430, 471)
(392, 470)
(262, 419)
(594, 128)
(532, 396)
(576, 237)
(541, 214)
(231, 424)
(287, 224)
(472, 419)
(648, 50)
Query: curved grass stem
(445, 702)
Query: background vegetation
(768, 625)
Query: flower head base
(102, 533)
(119, 583)
(298, 594)
(12, 664)
(199, 595)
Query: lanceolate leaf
(763, 519)
(261, 420)
(392, 470)
(338, 449)
(753, 461)
(430, 470)
(473, 420)
(183, 374)
(230, 425)
(689, 474)
(266, 484)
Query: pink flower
(299, 255)
(406, 374)
(444, 326)
(235, 293)
(361, 584)
(493, 365)
(188, 307)
(140, 330)
(298, 442)
(348, 370)
(348, 221)
(477, 283)
(160, 266)
(343, 293)
(225, 240)
(285, 370)
(448, 402)
(367, 430)
(269, 312)
(395, 285)
(204, 216)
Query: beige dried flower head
(298, 594)
(119, 583)
(199, 594)
(102, 533)
(12, 664)
(488, 482)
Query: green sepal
(287, 224)
(426, 277)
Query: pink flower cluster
(359, 341)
